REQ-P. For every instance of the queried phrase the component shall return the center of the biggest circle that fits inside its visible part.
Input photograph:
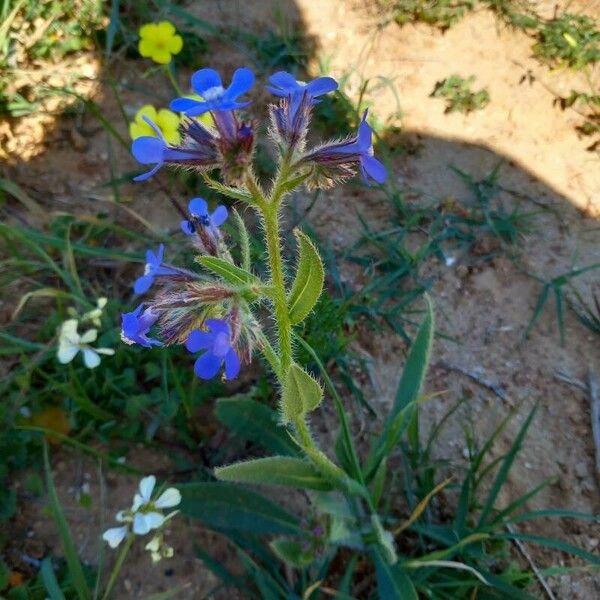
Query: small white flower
(70, 343)
(95, 314)
(158, 549)
(145, 514)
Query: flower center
(213, 93)
(147, 268)
(221, 345)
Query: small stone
(593, 543)
(581, 470)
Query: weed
(459, 95)
(555, 287)
(570, 40)
(443, 14)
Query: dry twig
(486, 383)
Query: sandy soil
(484, 306)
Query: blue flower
(198, 209)
(336, 161)
(218, 350)
(153, 269)
(370, 167)
(136, 325)
(283, 84)
(196, 149)
(207, 83)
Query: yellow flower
(166, 120)
(159, 41)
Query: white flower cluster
(144, 516)
(70, 342)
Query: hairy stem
(284, 327)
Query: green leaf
(49, 579)
(309, 279)
(290, 552)
(301, 394)
(274, 470)
(407, 394)
(257, 423)
(392, 581)
(507, 463)
(226, 506)
(415, 368)
(73, 562)
(229, 272)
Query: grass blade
(71, 556)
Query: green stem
(284, 327)
(118, 565)
(172, 79)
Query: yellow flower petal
(165, 29)
(146, 47)
(137, 130)
(147, 31)
(146, 111)
(167, 119)
(175, 44)
(161, 56)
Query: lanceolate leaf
(392, 581)
(228, 271)
(308, 282)
(274, 470)
(416, 365)
(256, 423)
(301, 394)
(226, 506)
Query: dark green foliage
(441, 13)
(459, 95)
(570, 40)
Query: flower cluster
(144, 516)
(211, 312)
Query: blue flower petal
(184, 104)
(199, 340)
(374, 168)
(232, 364)
(198, 207)
(187, 227)
(241, 82)
(148, 150)
(285, 81)
(219, 216)
(321, 85)
(365, 134)
(197, 109)
(207, 366)
(217, 326)
(142, 284)
(160, 255)
(148, 174)
(205, 79)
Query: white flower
(70, 343)
(145, 513)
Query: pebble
(581, 470)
